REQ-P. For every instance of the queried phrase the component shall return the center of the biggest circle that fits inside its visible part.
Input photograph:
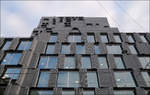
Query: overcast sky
(19, 18)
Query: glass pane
(143, 38)
(117, 38)
(119, 63)
(43, 80)
(24, 45)
(7, 45)
(124, 92)
(86, 62)
(104, 38)
(74, 38)
(102, 63)
(69, 62)
(68, 79)
(48, 62)
(124, 79)
(68, 92)
(130, 39)
(145, 62)
(90, 38)
(97, 49)
(80, 49)
(132, 49)
(11, 58)
(92, 79)
(41, 92)
(12, 73)
(146, 77)
(50, 49)
(65, 49)
(88, 92)
(53, 38)
(114, 49)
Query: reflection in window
(11, 59)
(143, 38)
(124, 92)
(130, 38)
(7, 45)
(50, 49)
(102, 63)
(68, 79)
(48, 62)
(146, 76)
(88, 92)
(41, 92)
(69, 62)
(92, 79)
(53, 38)
(145, 62)
(132, 49)
(24, 45)
(68, 92)
(80, 49)
(12, 73)
(86, 62)
(74, 38)
(124, 79)
(119, 62)
(114, 49)
(104, 39)
(44, 78)
(97, 49)
(65, 49)
(117, 38)
(90, 39)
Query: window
(132, 49)
(124, 79)
(12, 73)
(88, 92)
(47, 62)
(11, 58)
(41, 92)
(90, 38)
(102, 62)
(69, 62)
(50, 49)
(147, 92)
(86, 62)
(92, 79)
(24, 45)
(53, 38)
(80, 49)
(97, 49)
(119, 63)
(117, 38)
(74, 38)
(130, 39)
(114, 49)
(7, 45)
(65, 49)
(143, 38)
(104, 38)
(43, 79)
(124, 92)
(146, 76)
(68, 79)
(68, 92)
(145, 62)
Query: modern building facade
(75, 56)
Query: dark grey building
(75, 56)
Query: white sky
(19, 18)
